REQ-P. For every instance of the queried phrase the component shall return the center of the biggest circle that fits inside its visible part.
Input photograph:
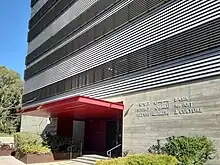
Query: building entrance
(102, 135)
(92, 123)
(114, 137)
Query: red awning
(78, 107)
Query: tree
(11, 87)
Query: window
(84, 79)
(68, 84)
(91, 75)
(98, 73)
(77, 81)
(108, 70)
(120, 66)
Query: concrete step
(89, 159)
(86, 162)
(99, 157)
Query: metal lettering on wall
(178, 106)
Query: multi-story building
(88, 60)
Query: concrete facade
(162, 61)
(38, 125)
(188, 109)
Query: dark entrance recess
(101, 136)
(114, 137)
(95, 142)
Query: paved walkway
(60, 163)
(57, 163)
(9, 160)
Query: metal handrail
(109, 152)
(81, 148)
(70, 149)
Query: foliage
(10, 99)
(157, 149)
(23, 138)
(6, 135)
(115, 161)
(188, 150)
(125, 153)
(26, 142)
(58, 143)
(141, 159)
(4, 147)
(34, 149)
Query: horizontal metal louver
(168, 21)
(56, 11)
(183, 44)
(98, 7)
(108, 70)
(69, 28)
(85, 17)
(98, 30)
(202, 65)
(112, 22)
(91, 34)
(44, 9)
(98, 74)
(108, 25)
(33, 2)
(101, 5)
(138, 59)
(68, 84)
(200, 38)
(137, 7)
(91, 76)
(101, 29)
(106, 4)
(120, 66)
(121, 17)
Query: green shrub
(141, 159)
(115, 161)
(26, 142)
(34, 149)
(2, 134)
(59, 143)
(189, 150)
(23, 138)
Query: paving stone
(9, 160)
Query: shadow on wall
(51, 127)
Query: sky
(14, 17)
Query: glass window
(98, 74)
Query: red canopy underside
(77, 107)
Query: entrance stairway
(89, 159)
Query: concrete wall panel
(188, 109)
